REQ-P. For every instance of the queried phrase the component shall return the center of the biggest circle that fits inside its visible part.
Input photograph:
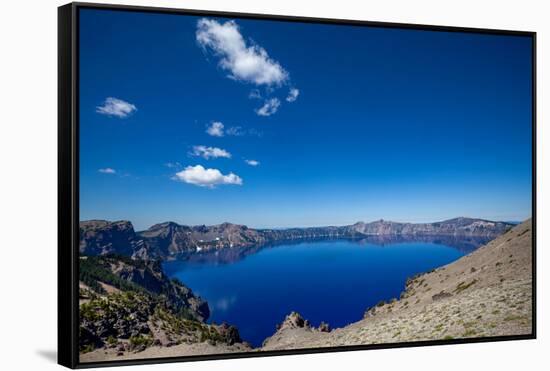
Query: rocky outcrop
(294, 329)
(125, 274)
(483, 294)
(292, 321)
(100, 237)
(295, 321)
(170, 240)
(129, 305)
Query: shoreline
(354, 316)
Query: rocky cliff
(100, 237)
(452, 227)
(169, 240)
(129, 306)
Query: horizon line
(317, 226)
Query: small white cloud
(292, 95)
(172, 165)
(210, 178)
(252, 162)
(235, 131)
(255, 94)
(255, 133)
(209, 152)
(107, 170)
(269, 108)
(249, 63)
(215, 129)
(116, 107)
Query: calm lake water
(331, 281)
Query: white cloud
(239, 131)
(269, 108)
(210, 152)
(202, 177)
(249, 63)
(292, 95)
(215, 129)
(116, 107)
(252, 162)
(107, 170)
(172, 165)
(255, 94)
(235, 131)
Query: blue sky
(278, 124)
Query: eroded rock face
(100, 237)
(171, 239)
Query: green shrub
(111, 340)
(140, 341)
(87, 348)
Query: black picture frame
(68, 181)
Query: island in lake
(148, 293)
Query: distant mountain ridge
(456, 226)
(168, 240)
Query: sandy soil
(181, 350)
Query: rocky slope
(170, 240)
(127, 274)
(129, 306)
(452, 227)
(485, 293)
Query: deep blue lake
(333, 281)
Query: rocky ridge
(170, 240)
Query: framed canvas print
(240, 185)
